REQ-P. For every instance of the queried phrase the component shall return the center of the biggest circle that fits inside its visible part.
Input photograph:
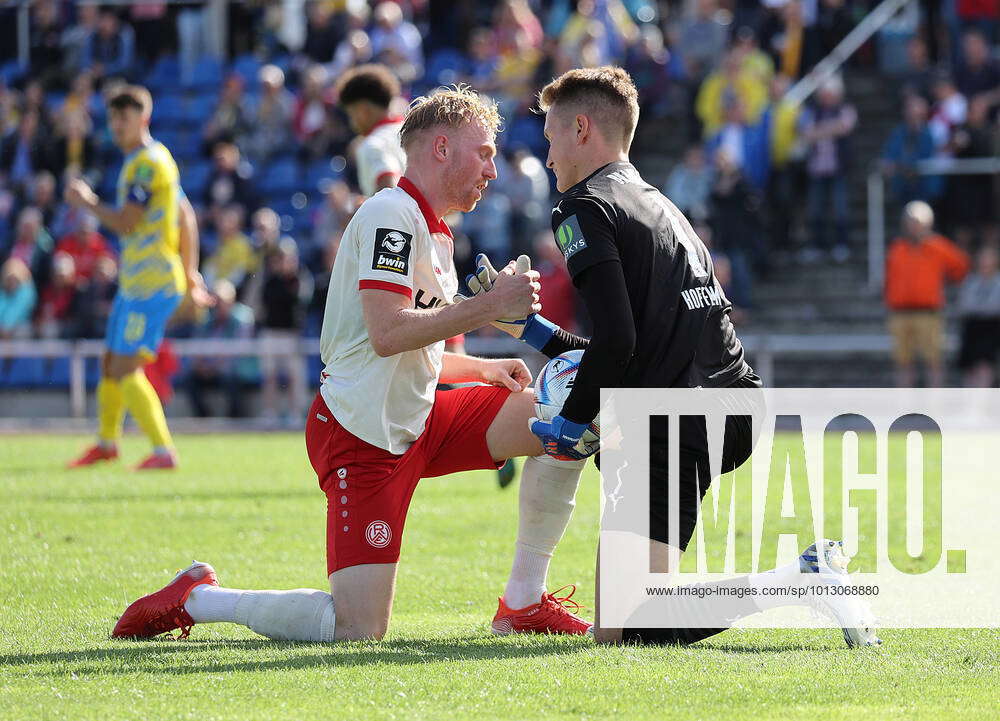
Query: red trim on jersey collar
(387, 120)
(434, 224)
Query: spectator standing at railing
(746, 144)
(235, 259)
(969, 199)
(23, 153)
(978, 74)
(780, 127)
(95, 297)
(702, 39)
(75, 38)
(731, 82)
(690, 183)
(949, 111)
(43, 197)
(229, 119)
(917, 74)
(17, 299)
(227, 319)
(32, 244)
(736, 219)
(45, 51)
(58, 300)
(396, 42)
(231, 180)
(271, 117)
(110, 50)
(285, 296)
(73, 148)
(918, 265)
(909, 143)
(826, 128)
(979, 309)
(84, 244)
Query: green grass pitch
(76, 547)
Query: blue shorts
(137, 325)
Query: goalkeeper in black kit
(660, 320)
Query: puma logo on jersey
(392, 251)
(701, 297)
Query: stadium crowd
(265, 152)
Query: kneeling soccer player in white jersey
(378, 425)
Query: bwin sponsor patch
(392, 251)
(569, 237)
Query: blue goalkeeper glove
(533, 329)
(563, 439)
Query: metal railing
(876, 204)
(764, 349)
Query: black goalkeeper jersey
(683, 334)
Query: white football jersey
(380, 154)
(393, 243)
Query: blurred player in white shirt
(368, 94)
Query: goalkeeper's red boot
(94, 454)
(551, 615)
(163, 611)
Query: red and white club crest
(378, 534)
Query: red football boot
(164, 461)
(163, 611)
(550, 615)
(94, 454)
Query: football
(553, 388)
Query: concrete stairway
(823, 299)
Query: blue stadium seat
(317, 174)
(201, 107)
(247, 67)
(207, 74)
(169, 110)
(445, 67)
(23, 372)
(57, 373)
(280, 177)
(92, 372)
(194, 178)
(187, 145)
(109, 181)
(165, 75)
(11, 72)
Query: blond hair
(606, 94)
(450, 107)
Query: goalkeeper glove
(533, 329)
(562, 439)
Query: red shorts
(368, 489)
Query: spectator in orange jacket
(919, 263)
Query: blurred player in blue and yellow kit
(159, 259)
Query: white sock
(783, 577)
(213, 604)
(302, 614)
(545, 504)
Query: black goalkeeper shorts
(693, 463)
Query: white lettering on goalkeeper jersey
(701, 297)
(394, 244)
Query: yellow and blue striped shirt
(150, 258)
